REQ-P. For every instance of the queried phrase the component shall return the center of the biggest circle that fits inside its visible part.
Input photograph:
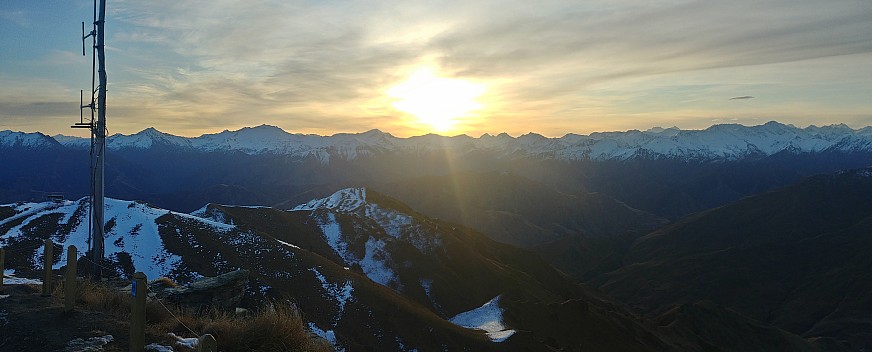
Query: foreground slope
(370, 273)
(797, 258)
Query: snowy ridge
(344, 200)
(488, 317)
(132, 228)
(394, 223)
(376, 260)
(30, 140)
(718, 142)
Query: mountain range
(719, 142)
(648, 176)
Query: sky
(449, 67)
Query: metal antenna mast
(97, 125)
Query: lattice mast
(97, 125)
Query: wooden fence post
(2, 261)
(48, 256)
(207, 343)
(70, 284)
(137, 318)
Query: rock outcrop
(223, 291)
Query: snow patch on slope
(333, 235)
(328, 335)
(864, 173)
(373, 263)
(488, 317)
(342, 294)
(9, 278)
(92, 344)
(131, 228)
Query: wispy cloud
(553, 66)
(19, 17)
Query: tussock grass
(274, 327)
(164, 281)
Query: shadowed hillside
(797, 258)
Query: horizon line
(651, 130)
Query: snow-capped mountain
(719, 142)
(10, 139)
(263, 139)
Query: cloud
(557, 65)
(744, 97)
(19, 17)
(594, 45)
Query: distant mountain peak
(374, 132)
(658, 130)
(30, 140)
(150, 131)
(261, 129)
(344, 200)
(264, 127)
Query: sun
(438, 102)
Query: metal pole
(100, 144)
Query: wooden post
(207, 343)
(2, 261)
(70, 284)
(48, 256)
(137, 318)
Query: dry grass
(275, 327)
(164, 281)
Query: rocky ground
(30, 322)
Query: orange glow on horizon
(438, 103)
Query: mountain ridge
(718, 142)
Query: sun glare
(435, 101)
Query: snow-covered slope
(132, 230)
(488, 317)
(719, 142)
(368, 250)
